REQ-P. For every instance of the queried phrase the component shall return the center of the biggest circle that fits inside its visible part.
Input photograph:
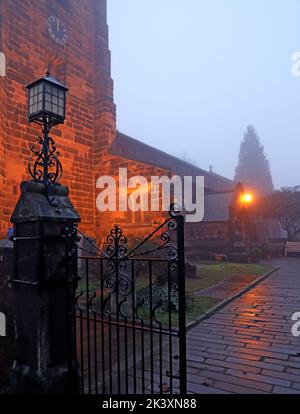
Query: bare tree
(284, 206)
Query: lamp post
(47, 108)
(44, 295)
(246, 200)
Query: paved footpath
(248, 347)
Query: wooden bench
(292, 249)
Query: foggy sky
(190, 75)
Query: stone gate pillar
(7, 309)
(42, 322)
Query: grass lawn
(198, 306)
(210, 274)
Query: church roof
(132, 149)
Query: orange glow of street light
(247, 198)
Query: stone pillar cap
(33, 204)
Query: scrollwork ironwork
(162, 241)
(116, 283)
(138, 299)
(44, 165)
(71, 239)
(116, 243)
(175, 210)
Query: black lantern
(46, 107)
(47, 101)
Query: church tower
(70, 39)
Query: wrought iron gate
(127, 312)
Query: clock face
(57, 30)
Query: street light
(246, 199)
(47, 101)
(46, 107)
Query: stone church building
(70, 39)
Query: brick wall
(2, 126)
(104, 123)
(135, 225)
(83, 64)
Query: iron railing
(129, 322)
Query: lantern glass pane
(35, 96)
(55, 91)
(48, 106)
(40, 97)
(39, 106)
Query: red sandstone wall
(2, 127)
(84, 65)
(105, 128)
(140, 225)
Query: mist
(191, 75)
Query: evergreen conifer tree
(253, 169)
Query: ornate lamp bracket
(44, 165)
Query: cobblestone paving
(248, 347)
